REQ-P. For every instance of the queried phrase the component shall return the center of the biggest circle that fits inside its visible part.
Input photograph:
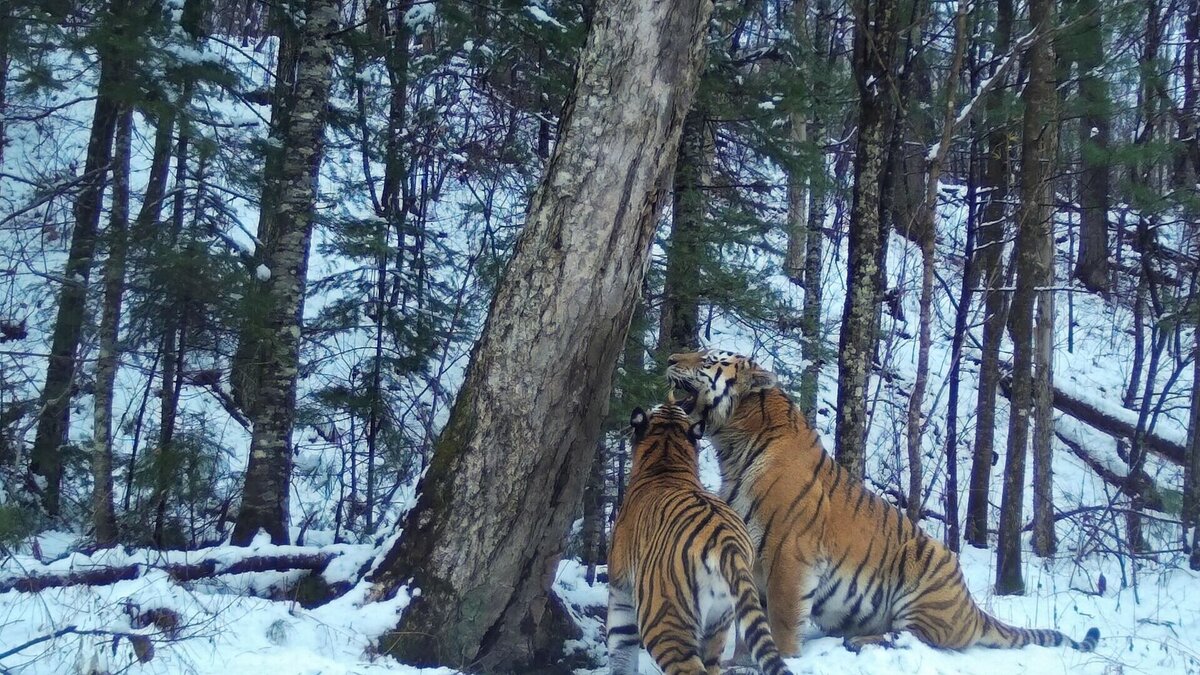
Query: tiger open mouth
(685, 393)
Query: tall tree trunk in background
(681, 303)
(990, 262)
(1091, 269)
(797, 179)
(54, 415)
(1045, 542)
(1191, 477)
(1039, 142)
(289, 224)
(925, 231)
(484, 538)
(810, 321)
(874, 69)
(6, 22)
(1145, 184)
(593, 513)
(104, 518)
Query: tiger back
(679, 567)
(829, 548)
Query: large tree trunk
(485, 536)
(989, 260)
(1092, 266)
(681, 303)
(1039, 141)
(103, 514)
(874, 69)
(54, 415)
(288, 219)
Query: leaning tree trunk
(104, 518)
(874, 55)
(289, 221)
(54, 415)
(484, 538)
(991, 269)
(1039, 141)
(1092, 267)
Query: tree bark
(810, 320)
(289, 222)
(103, 513)
(681, 302)
(875, 40)
(485, 536)
(54, 415)
(925, 231)
(1091, 269)
(797, 182)
(1045, 542)
(1038, 147)
(989, 260)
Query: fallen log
(179, 572)
(1150, 492)
(1109, 423)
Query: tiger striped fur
(679, 568)
(827, 547)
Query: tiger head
(715, 381)
(667, 422)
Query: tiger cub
(679, 568)
(828, 547)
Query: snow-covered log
(38, 580)
(1114, 420)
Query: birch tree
(285, 228)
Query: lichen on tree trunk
(285, 229)
(483, 541)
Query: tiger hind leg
(790, 590)
(622, 632)
(714, 643)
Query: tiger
(680, 561)
(827, 547)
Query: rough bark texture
(289, 222)
(1038, 145)
(485, 536)
(1191, 474)
(103, 514)
(810, 322)
(1045, 543)
(989, 260)
(874, 56)
(689, 204)
(797, 183)
(1091, 269)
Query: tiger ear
(696, 431)
(762, 379)
(639, 421)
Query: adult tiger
(827, 547)
(679, 569)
